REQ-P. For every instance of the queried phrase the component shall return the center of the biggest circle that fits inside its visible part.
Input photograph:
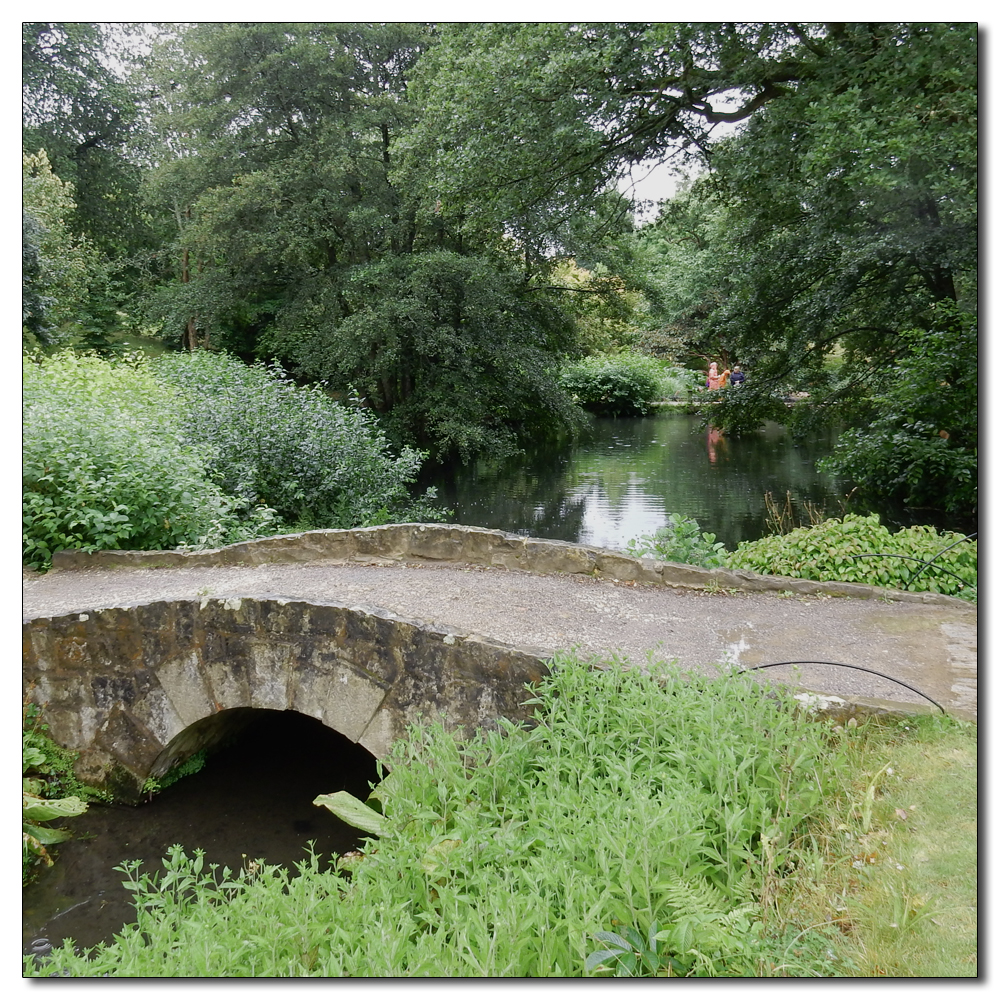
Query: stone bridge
(137, 690)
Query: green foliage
(862, 550)
(843, 235)
(921, 447)
(852, 549)
(50, 790)
(638, 797)
(264, 439)
(616, 385)
(80, 104)
(64, 272)
(302, 235)
(818, 229)
(107, 464)
(192, 765)
(680, 540)
(455, 353)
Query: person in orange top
(724, 379)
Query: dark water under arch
(252, 801)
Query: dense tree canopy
(80, 108)
(426, 215)
(839, 219)
(299, 242)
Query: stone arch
(122, 685)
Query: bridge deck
(931, 648)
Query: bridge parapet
(479, 547)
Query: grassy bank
(650, 823)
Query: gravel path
(932, 648)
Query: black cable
(941, 553)
(830, 663)
(924, 563)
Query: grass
(900, 873)
(650, 823)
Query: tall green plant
(50, 791)
(680, 540)
(637, 797)
(106, 464)
(314, 461)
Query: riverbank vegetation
(50, 791)
(619, 385)
(346, 200)
(648, 823)
(195, 450)
(852, 548)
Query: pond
(625, 477)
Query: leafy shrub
(680, 540)
(452, 350)
(679, 383)
(106, 464)
(849, 548)
(266, 440)
(638, 797)
(50, 791)
(920, 447)
(616, 385)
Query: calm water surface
(630, 473)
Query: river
(628, 474)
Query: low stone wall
(479, 547)
(136, 690)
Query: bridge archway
(136, 690)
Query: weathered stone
(479, 546)
(363, 671)
(559, 557)
(131, 744)
(683, 575)
(183, 684)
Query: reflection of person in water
(716, 444)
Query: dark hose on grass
(851, 666)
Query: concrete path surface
(932, 648)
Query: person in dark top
(737, 378)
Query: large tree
(301, 236)
(80, 108)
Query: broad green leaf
(353, 811)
